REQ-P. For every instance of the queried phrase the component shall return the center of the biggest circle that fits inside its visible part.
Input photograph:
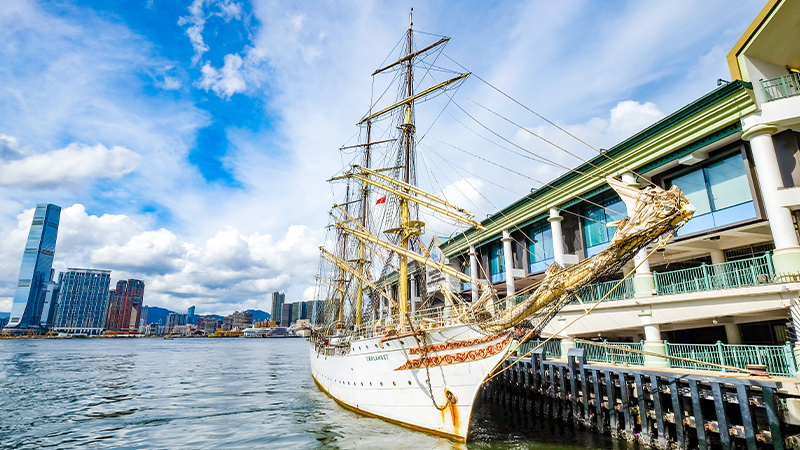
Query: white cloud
(226, 81)
(229, 271)
(226, 9)
(69, 165)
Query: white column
(643, 281)
(508, 258)
(732, 333)
(413, 294)
(565, 344)
(558, 237)
(473, 272)
(652, 341)
(717, 256)
(787, 250)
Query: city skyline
(216, 106)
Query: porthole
(370, 383)
(348, 383)
(409, 383)
(381, 383)
(394, 383)
(363, 383)
(376, 345)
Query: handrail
(781, 87)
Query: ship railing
(426, 319)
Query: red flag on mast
(381, 200)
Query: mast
(408, 132)
(342, 280)
(364, 194)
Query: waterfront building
(190, 318)
(143, 322)
(125, 306)
(300, 310)
(729, 275)
(82, 301)
(237, 321)
(3, 322)
(50, 304)
(287, 316)
(277, 303)
(317, 311)
(35, 271)
(175, 320)
(208, 324)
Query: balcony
(709, 277)
(781, 87)
(593, 293)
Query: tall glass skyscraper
(82, 301)
(37, 261)
(277, 304)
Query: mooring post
(626, 405)
(747, 416)
(662, 431)
(768, 394)
(697, 412)
(722, 416)
(598, 401)
(575, 358)
(642, 405)
(612, 404)
(677, 412)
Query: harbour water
(212, 394)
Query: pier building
(726, 282)
(36, 269)
(82, 301)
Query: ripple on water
(208, 394)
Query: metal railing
(594, 292)
(779, 359)
(552, 348)
(781, 87)
(620, 353)
(709, 277)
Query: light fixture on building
(714, 321)
(720, 82)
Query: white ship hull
(389, 380)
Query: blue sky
(188, 141)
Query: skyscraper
(37, 262)
(125, 305)
(50, 305)
(190, 319)
(82, 301)
(277, 302)
(287, 314)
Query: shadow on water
(497, 426)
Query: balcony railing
(552, 348)
(709, 277)
(594, 292)
(619, 352)
(779, 359)
(781, 87)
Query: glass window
(540, 246)
(717, 186)
(693, 186)
(496, 259)
(596, 217)
(728, 182)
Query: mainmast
(361, 261)
(408, 135)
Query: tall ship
(373, 349)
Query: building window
(717, 186)
(540, 246)
(496, 260)
(595, 218)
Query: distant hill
(259, 315)
(4, 315)
(155, 313)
